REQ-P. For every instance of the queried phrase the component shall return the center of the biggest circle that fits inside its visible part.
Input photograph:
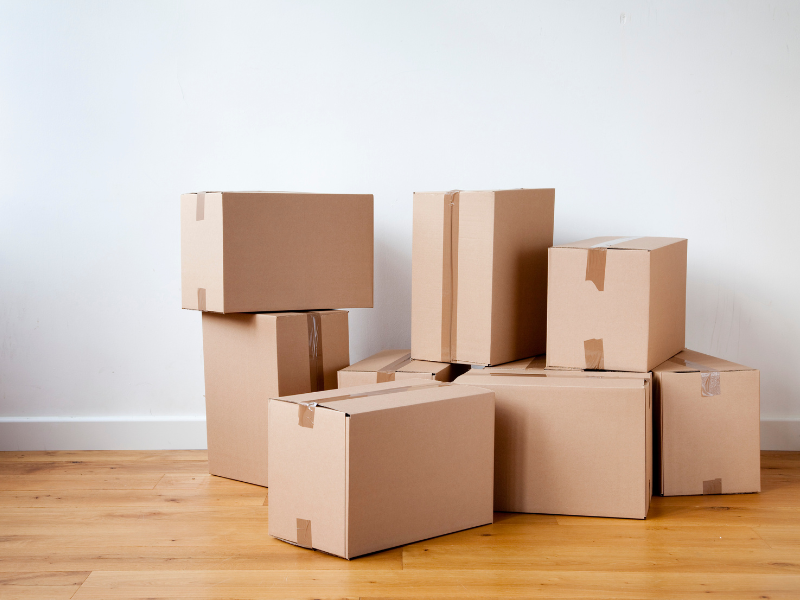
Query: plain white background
(649, 118)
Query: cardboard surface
(417, 463)
(396, 365)
(620, 308)
(708, 432)
(571, 444)
(259, 251)
(479, 275)
(247, 359)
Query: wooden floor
(156, 525)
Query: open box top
(613, 242)
(689, 361)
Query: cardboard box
(396, 365)
(250, 357)
(707, 426)
(479, 275)
(384, 465)
(257, 251)
(571, 445)
(616, 303)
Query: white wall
(649, 118)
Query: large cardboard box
(250, 357)
(536, 366)
(479, 275)
(571, 445)
(257, 251)
(616, 303)
(396, 365)
(383, 465)
(707, 426)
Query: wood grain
(135, 525)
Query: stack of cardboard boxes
(474, 417)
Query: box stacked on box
(615, 411)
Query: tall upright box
(707, 426)
(616, 304)
(571, 443)
(479, 275)
(377, 466)
(250, 357)
(263, 252)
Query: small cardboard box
(250, 357)
(707, 426)
(261, 252)
(616, 303)
(385, 465)
(396, 365)
(479, 275)
(571, 445)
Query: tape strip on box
(710, 381)
(315, 364)
(200, 213)
(712, 486)
(450, 277)
(306, 410)
(596, 261)
(304, 533)
(201, 299)
(387, 372)
(593, 354)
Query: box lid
(382, 396)
(640, 380)
(689, 361)
(382, 361)
(623, 243)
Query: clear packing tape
(709, 378)
(315, 365)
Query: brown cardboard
(396, 365)
(258, 251)
(617, 308)
(479, 275)
(571, 444)
(707, 421)
(380, 466)
(250, 357)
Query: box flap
(543, 380)
(423, 366)
(689, 361)
(615, 242)
(380, 361)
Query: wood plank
(126, 456)
(434, 584)
(231, 497)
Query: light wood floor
(156, 525)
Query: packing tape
(593, 352)
(712, 486)
(596, 261)
(710, 384)
(315, 364)
(450, 277)
(306, 410)
(387, 372)
(304, 533)
(201, 206)
(201, 299)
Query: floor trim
(189, 433)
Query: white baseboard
(780, 434)
(102, 433)
(189, 433)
